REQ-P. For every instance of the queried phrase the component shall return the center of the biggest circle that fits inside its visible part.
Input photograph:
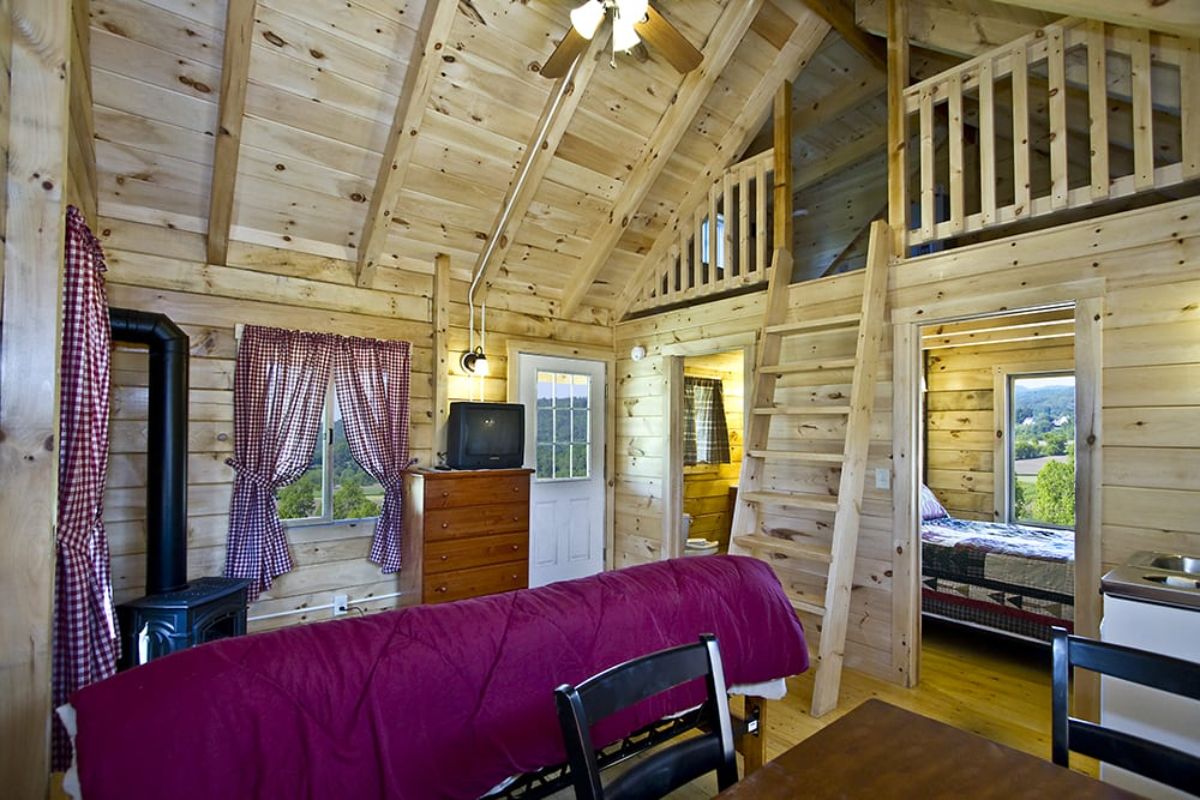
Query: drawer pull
(445, 525)
(445, 493)
(443, 588)
(445, 558)
(514, 577)
(515, 547)
(516, 518)
(516, 488)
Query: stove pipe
(166, 443)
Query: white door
(564, 444)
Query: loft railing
(1074, 114)
(733, 252)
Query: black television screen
(485, 436)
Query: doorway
(707, 394)
(565, 438)
(913, 453)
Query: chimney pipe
(166, 443)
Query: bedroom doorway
(962, 423)
(997, 472)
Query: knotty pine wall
(1146, 266)
(962, 437)
(157, 269)
(706, 486)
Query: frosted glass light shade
(632, 10)
(624, 36)
(587, 18)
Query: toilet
(696, 545)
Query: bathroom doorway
(707, 397)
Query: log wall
(156, 269)
(1144, 264)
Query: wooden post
(1089, 475)
(1143, 112)
(1022, 196)
(783, 168)
(926, 139)
(897, 128)
(29, 383)
(753, 746)
(440, 377)
(1055, 61)
(1098, 108)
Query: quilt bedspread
(426, 702)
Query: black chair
(580, 707)
(1150, 759)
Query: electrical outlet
(883, 478)
(341, 603)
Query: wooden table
(879, 751)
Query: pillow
(930, 507)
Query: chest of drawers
(467, 532)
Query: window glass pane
(579, 431)
(562, 389)
(305, 499)
(1042, 449)
(545, 424)
(355, 493)
(545, 386)
(562, 460)
(545, 461)
(562, 425)
(579, 461)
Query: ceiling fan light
(587, 18)
(633, 10)
(625, 38)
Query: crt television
(485, 436)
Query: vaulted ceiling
(326, 81)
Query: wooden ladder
(750, 535)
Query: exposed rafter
(402, 139)
(834, 105)
(811, 172)
(1181, 17)
(235, 70)
(539, 153)
(799, 48)
(841, 19)
(735, 19)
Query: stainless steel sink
(1175, 563)
(1168, 578)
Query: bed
(441, 701)
(1014, 579)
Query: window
(705, 431)
(334, 488)
(720, 242)
(563, 425)
(1041, 454)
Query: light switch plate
(883, 478)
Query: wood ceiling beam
(539, 154)
(841, 19)
(235, 71)
(1180, 17)
(970, 28)
(803, 42)
(726, 35)
(832, 106)
(402, 138)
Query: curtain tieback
(250, 476)
(392, 484)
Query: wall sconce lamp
(474, 362)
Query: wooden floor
(980, 682)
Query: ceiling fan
(633, 21)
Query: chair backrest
(1150, 759)
(582, 706)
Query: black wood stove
(175, 613)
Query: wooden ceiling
(326, 82)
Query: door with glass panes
(564, 445)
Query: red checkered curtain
(372, 379)
(279, 390)
(85, 628)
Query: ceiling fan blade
(564, 55)
(666, 39)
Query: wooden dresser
(466, 532)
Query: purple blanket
(439, 701)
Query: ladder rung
(803, 410)
(811, 365)
(840, 321)
(800, 604)
(799, 455)
(786, 547)
(816, 502)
